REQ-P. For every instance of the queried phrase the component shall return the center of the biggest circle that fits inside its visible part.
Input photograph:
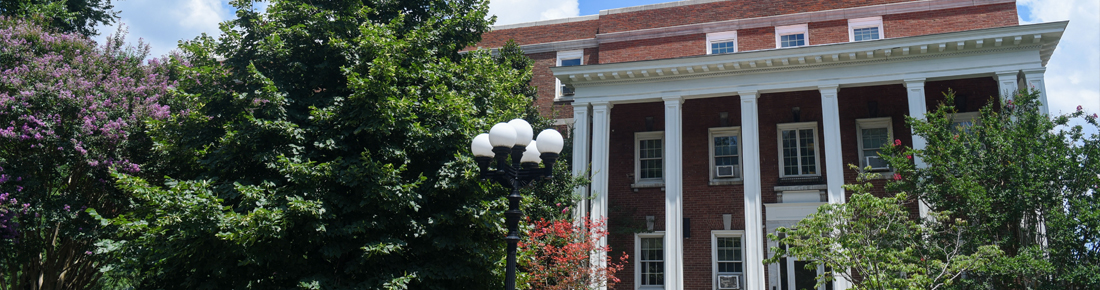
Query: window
(861, 29)
(791, 36)
(728, 259)
(649, 270)
(871, 135)
(567, 58)
(961, 122)
(722, 42)
(798, 149)
(725, 154)
(649, 153)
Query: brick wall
(950, 20)
(776, 109)
(756, 38)
(628, 209)
(719, 11)
(704, 204)
(835, 31)
(541, 33)
(654, 48)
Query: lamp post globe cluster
(514, 139)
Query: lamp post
(514, 138)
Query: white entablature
(938, 56)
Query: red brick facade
(704, 203)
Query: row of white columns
(594, 139)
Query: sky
(1072, 76)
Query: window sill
(563, 99)
(648, 184)
(726, 181)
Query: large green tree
(70, 16)
(326, 146)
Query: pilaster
(917, 108)
(1034, 78)
(581, 144)
(1007, 84)
(601, 137)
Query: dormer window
(861, 29)
(791, 36)
(722, 42)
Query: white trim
(674, 200)
(601, 135)
(651, 135)
(565, 55)
(780, 31)
(725, 132)
(638, 260)
(721, 37)
(754, 224)
(714, 235)
(871, 123)
(868, 22)
(581, 142)
(817, 150)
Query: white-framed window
(871, 134)
(649, 268)
(798, 149)
(861, 29)
(727, 259)
(722, 42)
(725, 153)
(649, 158)
(963, 121)
(567, 58)
(791, 36)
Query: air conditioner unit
(726, 171)
(729, 281)
(567, 90)
(876, 163)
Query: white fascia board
(791, 211)
(858, 74)
(1051, 31)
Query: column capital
(914, 82)
(1035, 71)
(749, 95)
(1006, 74)
(678, 99)
(601, 105)
(833, 87)
(577, 104)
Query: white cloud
(1073, 73)
(163, 23)
(516, 11)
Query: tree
(71, 113)
(326, 146)
(556, 255)
(67, 16)
(874, 244)
(1024, 181)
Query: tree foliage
(71, 112)
(1025, 182)
(325, 145)
(68, 16)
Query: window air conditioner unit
(726, 171)
(729, 281)
(876, 163)
(567, 90)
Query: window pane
(722, 47)
(792, 40)
(806, 142)
(869, 33)
(874, 138)
(790, 152)
(653, 267)
(650, 148)
(571, 62)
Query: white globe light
(481, 147)
(523, 131)
(502, 135)
(532, 154)
(550, 141)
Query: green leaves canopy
(326, 147)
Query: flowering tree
(71, 112)
(555, 256)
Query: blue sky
(1073, 73)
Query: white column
(1035, 81)
(834, 160)
(580, 157)
(917, 109)
(754, 224)
(834, 155)
(1007, 84)
(674, 218)
(601, 136)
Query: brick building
(706, 124)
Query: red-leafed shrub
(555, 255)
